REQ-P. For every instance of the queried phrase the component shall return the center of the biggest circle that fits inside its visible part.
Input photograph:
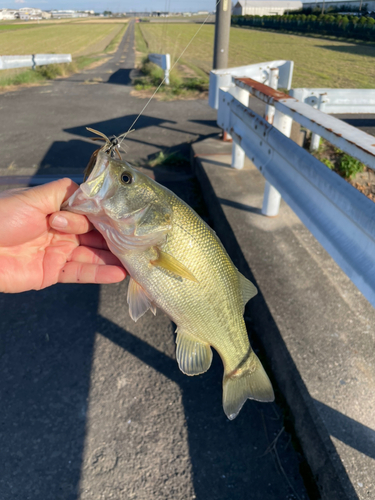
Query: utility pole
(222, 28)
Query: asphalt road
(93, 405)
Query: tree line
(341, 25)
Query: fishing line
(174, 64)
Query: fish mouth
(80, 203)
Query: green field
(318, 62)
(63, 38)
(88, 41)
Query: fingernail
(59, 222)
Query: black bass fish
(177, 264)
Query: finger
(93, 239)
(49, 197)
(76, 272)
(68, 222)
(87, 255)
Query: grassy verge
(186, 80)
(351, 169)
(318, 62)
(13, 78)
(115, 42)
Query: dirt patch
(365, 183)
(188, 96)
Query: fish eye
(126, 178)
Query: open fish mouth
(80, 203)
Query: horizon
(116, 6)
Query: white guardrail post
(164, 61)
(338, 215)
(271, 197)
(11, 62)
(260, 72)
(315, 138)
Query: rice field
(318, 62)
(64, 38)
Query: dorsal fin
(248, 289)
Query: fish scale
(176, 264)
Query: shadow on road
(120, 77)
(46, 353)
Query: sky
(113, 5)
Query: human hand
(40, 246)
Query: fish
(177, 264)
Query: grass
(43, 73)
(168, 159)
(69, 37)
(318, 62)
(66, 38)
(335, 159)
(112, 46)
(186, 80)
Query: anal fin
(193, 357)
(138, 301)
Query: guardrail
(339, 216)
(31, 61)
(164, 61)
(336, 101)
(262, 72)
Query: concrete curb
(325, 464)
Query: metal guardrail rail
(261, 72)
(353, 141)
(339, 216)
(164, 61)
(31, 61)
(336, 101)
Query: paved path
(93, 405)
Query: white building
(67, 14)
(27, 13)
(7, 14)
(265, 7)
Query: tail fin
(249, 382)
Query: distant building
(343, 5)
(7, 14)
(265, 7)
(29, 14)
(137, 14)
(67, 14)
(159, 14)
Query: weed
(168, 159)
(337, 160)
(153, 75)
(349, 166)
(328, 163)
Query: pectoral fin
(138, 301)
(166, 261)
(194, 357)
